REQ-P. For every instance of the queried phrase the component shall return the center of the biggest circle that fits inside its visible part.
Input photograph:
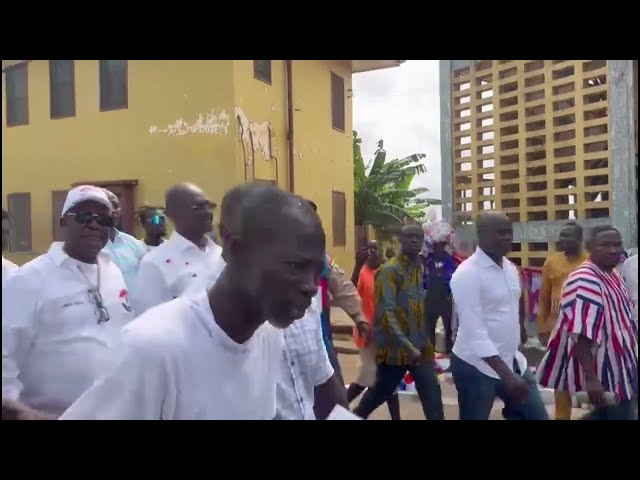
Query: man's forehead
(608, 236)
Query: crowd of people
(106, 326)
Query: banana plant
(382, 188)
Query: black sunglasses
(86, 218)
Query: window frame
(256, 73)
(51, 91)
(337, 241)
(14, 221)
(126, 88)
(8, 71)
(334, 108)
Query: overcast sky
(402, 107)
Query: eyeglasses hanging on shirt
(95, 296)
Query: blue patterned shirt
(126, 252)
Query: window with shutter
(17, 94)
(19, 206)
(113, 84)
(337, 102)
(262, 70)
(62, 88)
(339, 213)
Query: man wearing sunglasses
(63, 312)
(182, 262)
(154, 223)
(217, 355)
(125, 250)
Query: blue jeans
(388, 378)
(477, 392)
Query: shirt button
(293, 363)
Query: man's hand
(364, 330)
(516, 388)
(414, 356)
(596, 392)
(12, 410)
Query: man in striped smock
(594, 346)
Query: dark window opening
(113, 84)
(337, 102)
(62, 88)
(262, 70)
(339, 220)
(19, 210)
(17, 103)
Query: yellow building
(139, 126)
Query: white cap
(85, 193)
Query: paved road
(409, 405)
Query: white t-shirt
(53, 347)
(178, 364)
(8, 267)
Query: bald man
(184, 261)
(486, 362)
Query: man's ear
(63, 222)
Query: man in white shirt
(8, 266)
(486, 363)
(64, 311)
(308, 387)
(182, 262)
(125, 250)
(630, 275)
(217, 355)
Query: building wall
(322, 155)
(48, 155)
(182, 124)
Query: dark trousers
(388, 378)
(477, 392)
(439, 308)
(625, 410)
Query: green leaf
(383, 197)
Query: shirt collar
(183, 244)
(404, 260)
(485, 260)
(58, 255)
